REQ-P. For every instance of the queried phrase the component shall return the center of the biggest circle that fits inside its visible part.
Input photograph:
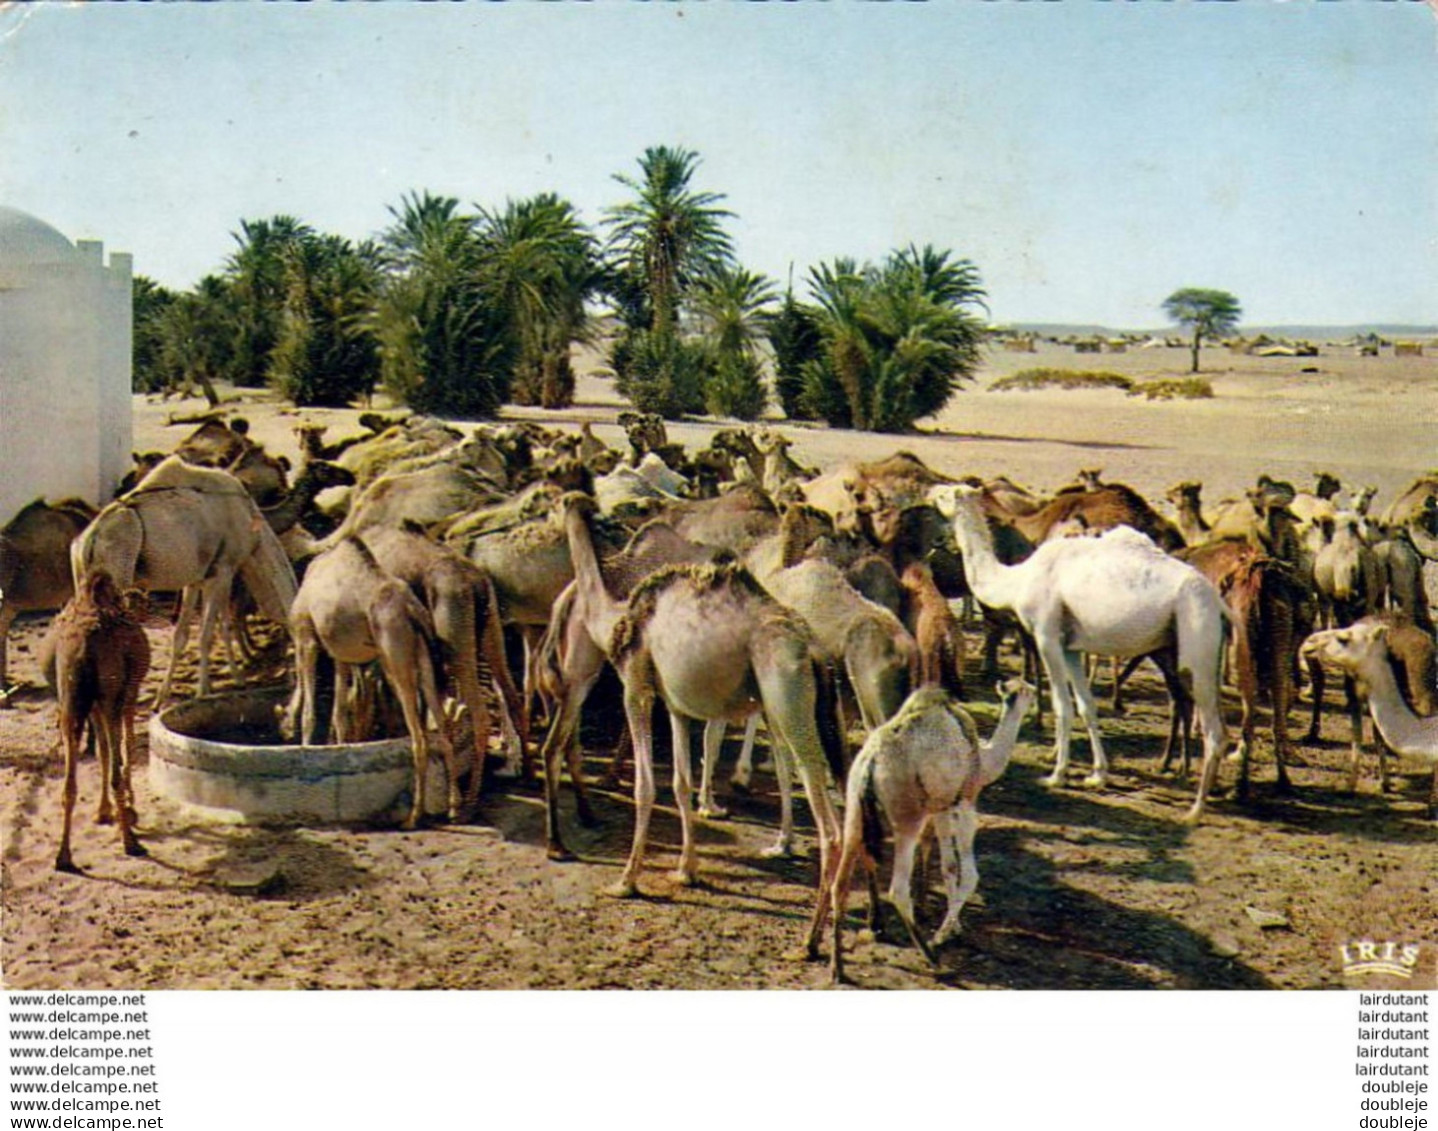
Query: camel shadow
(1033, 931)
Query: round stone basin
(225, 752)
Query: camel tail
(826, 716)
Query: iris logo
(1366, 957)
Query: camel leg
(345, 708)
(209, 611)
(7, 616)
(307, 656)
(513, 718)
(105, 755)
(638, 709)
(1316, 681)
(744, 768)
(1355, 732)
(901, 884)
(688, 871)
(189, 601)
(1083, 693)
(1055, 666)
(783, 847)
(852, 848)
(582, 665)
(70, 728)
(956, 830)
(713, 740)
(1211, 720)
(787, 690)
(114, 763)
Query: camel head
(1350, 649)
(1326, 484)
(768, 440)
(577, 503)
(952, 500)
(1018, 691)
(328, 474)
(1185, 493)
(1090, 478)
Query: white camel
(1113, 595)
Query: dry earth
(1079, 888)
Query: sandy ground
(1079, 888)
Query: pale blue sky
(1089, 157)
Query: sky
(1089, 157)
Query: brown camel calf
(101, 658)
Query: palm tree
(326, 353)
(148, 303)
(197, 335)
(731, 305)
(895, 341)
(256, 272)
(542, 265)
(444, 343)
(670, 234)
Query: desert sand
(1079, 888)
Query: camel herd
(735, 586)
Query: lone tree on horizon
(1208, 313)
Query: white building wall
(65, 415)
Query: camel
(354, 610)
(1401, 569)
(1411, 655)
(581, 628)
(463, 609)
(924, 766)
(877, 653)
(645, 432)
(101, 656)
(1312, 508)
(35, 565)
(1115, 595)
(1266, 604)
(188, 526)
(314, 476)
(1361, 652)
(1346, 575)
(935, 630)
(713, 645)
(1100, 508)
(427, 496)
(1417, 509)
(1191, 523)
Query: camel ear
(1380, 633)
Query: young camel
(101, 656)
(1115, 595)
(713, 645)
(924, 766)
(935, 629)
(352, 608)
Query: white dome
(26, 240)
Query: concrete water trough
(225, 752)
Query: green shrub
(735, 387)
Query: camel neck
(994, 755)
(1404, 731)
(987, 576)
